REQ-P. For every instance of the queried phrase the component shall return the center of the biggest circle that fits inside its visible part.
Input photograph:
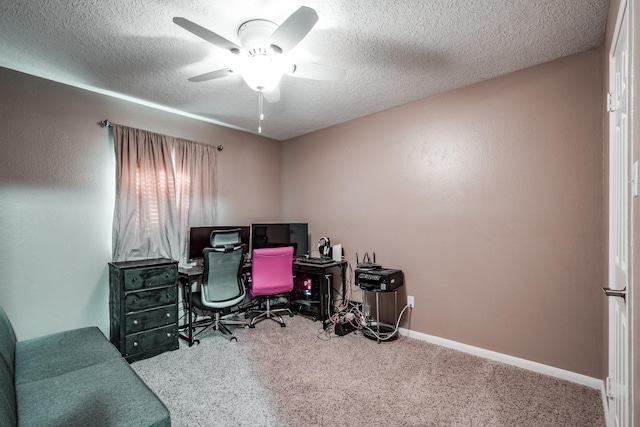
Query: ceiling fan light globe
(261, 73)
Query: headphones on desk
(324, 246)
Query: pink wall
(488, 198)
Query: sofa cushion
(62, 352)
(8, 414)
(7, 341)
(107, 394)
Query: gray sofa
(72, 378)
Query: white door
(618, 385)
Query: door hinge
(609, 388)
(610, 102)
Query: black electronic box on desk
(316, 288)
(379, 279)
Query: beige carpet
(296, 376)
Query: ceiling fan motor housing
(254, 36)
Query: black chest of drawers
(143, 307)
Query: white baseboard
(573, 377)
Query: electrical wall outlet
(410, 301)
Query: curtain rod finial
(220, 147)
(105, 123)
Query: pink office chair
(271, 275)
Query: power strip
(343, 328)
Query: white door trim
(619, 406)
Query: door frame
(631, 166)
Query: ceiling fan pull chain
(260, 113)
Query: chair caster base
(252, 326)
(233, 339)
(283, 325)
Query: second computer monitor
(280, 234)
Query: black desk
(315, 304)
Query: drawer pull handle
(168, 334)
(135, 322)
(135, 343)
(168, 314)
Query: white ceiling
(394, 52)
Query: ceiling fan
(262, 53)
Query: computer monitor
(199, 238)
(280, 234)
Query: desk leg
(190, 314)
(186, 289)
(190, 296)
(327, 302)
(344, 284)
(378, 317)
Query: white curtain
(195, 166)
(161, 183)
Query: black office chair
(222, 283)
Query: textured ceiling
(394, 52)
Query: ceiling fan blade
(307, 70)
(273, 95)
(294, 29)
(205, 34)
(212, 75)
